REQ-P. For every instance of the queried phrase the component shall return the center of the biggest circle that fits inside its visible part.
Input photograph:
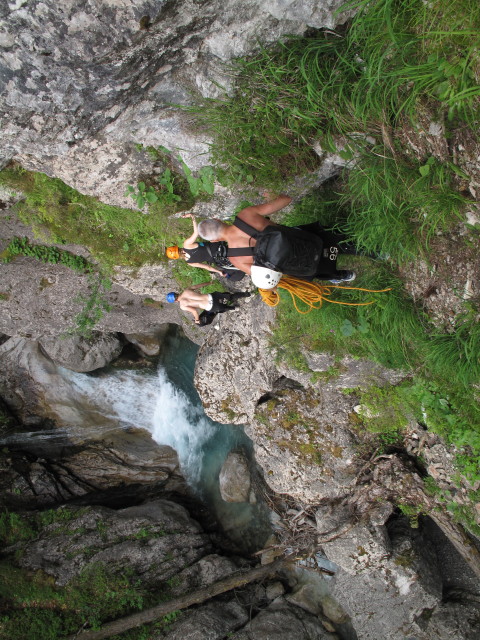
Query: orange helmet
(173, 252)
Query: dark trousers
(334, 243)
(221, 302)
(226, 301)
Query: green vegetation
(391, 193)
(34, 608)
(115, 236)
(15, 526)
(172, 187)
(396, 58)
(412, 512)
(397, 65)
(53, 255)
(94, 307)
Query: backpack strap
(250, 231)
(246, 228)
(240, 251)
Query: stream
(160, 399)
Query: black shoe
(344, 276)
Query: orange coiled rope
(310, 293)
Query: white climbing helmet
(264, 278)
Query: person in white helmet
(256, 216)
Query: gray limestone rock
(82, 354)
(126, 464)
(382, 593)
(82, 84)
(44, 300)
(235, 478)
(207, 570)
(233, 368)
(283, 621)
(457, 619)
(115, 539)
(213, 621)
(303, 443)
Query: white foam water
(143, 400)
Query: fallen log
(238, 579)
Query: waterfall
(93, 405)
(178, 422)
(164, 402)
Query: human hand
(268, 195)
(188, 215)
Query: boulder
(126, 466)
(234, 367)
(149, 344)
(116, 539)
(215, 621)
(382, 591)
(235, 478)
(283, 621)
(82, 354)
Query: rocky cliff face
(160, 546)
(83, 82)
(307, 440)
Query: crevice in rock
(286, 383)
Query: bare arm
(200, 265)
(280, 202)
(193, 311)
(190, 242)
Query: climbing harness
(310, 293)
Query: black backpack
(290, 250)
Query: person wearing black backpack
(211, 256)
(266, 250)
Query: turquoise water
(162, 400)
(203, 444)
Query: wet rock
(306, 596)
(149, 344)
(235, 478)
(274, 590)
(82, 354)
(125, 466)
(206, 571)
(283, 621)
(453, 620)
(214, 621)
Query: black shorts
(327, 265)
